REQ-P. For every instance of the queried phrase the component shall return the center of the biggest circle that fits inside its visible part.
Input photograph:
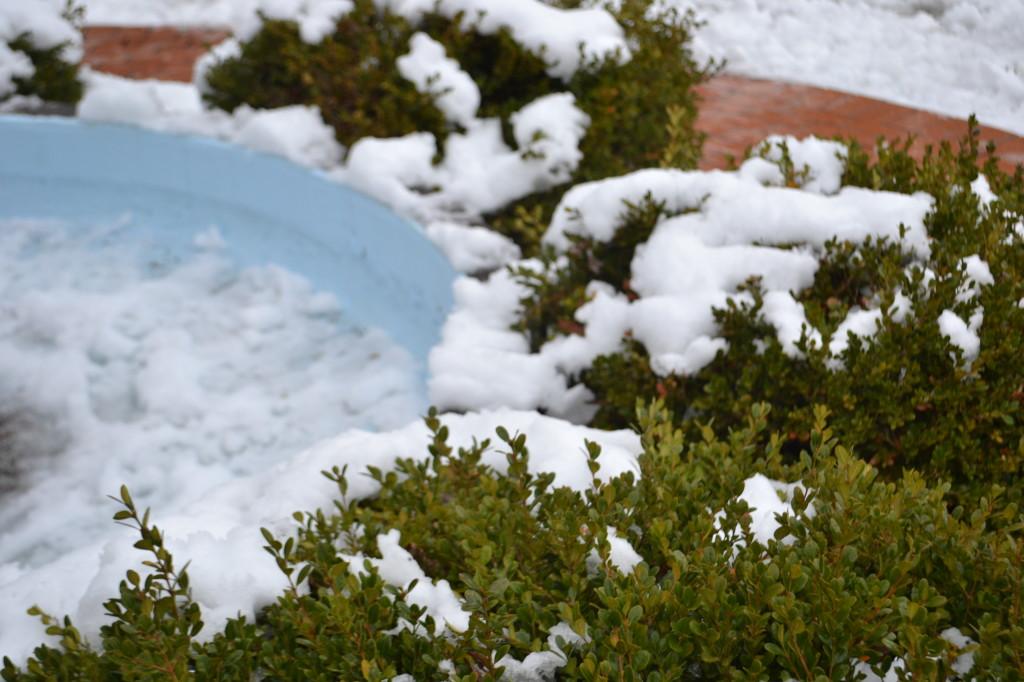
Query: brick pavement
(736, 112)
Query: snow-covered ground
(172, 377)
(953, 57)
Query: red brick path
(165, 53)
(736, 112)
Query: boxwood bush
(636, 107)
(55, 79)
(901, 402)
(864, 572)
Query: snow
(479, 173)
(120, 366)
(455, 92)
(13, 64)
(725, 202)
(952, 57)
(219, 531)
(316, 18)
(858, 322)
(42, 20)
(787, 315)
(542, 665)
(963, 335)
(623, 556)
(398, 568)
(723, 228)
(566, 38)
(983, 191)
(766, 500)
(964, 662)
(824, 161)
(976, 275)
(472, 249)
(296, 132)
(550, 129)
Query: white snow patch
(976, 275)
(964, 662)
(297, 132)
(868, 675)
(539, 666)
(948, 56)
(963, 335)
(433, 73)
(42, 20)
(766, 499)
(472, 249)
(860, 323)
(566, 38)
(621, 554)
(479, 172)
(823, 160)
(787, 315)
(550, 129)
(398, 568)
(981, 189)
(170, 377)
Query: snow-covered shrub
(40, 47)
(920, 331)
(393, 69)
(697, 566)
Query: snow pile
(566, 38)
(175, 378)
(480, 173)
(219, 531)
(297, 133)
(821, 161)
(316, 18)
(47, 28)
(472, 249)
(949, 56)
(455, 92)
(725, 232)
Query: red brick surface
(165, 53)
(739, 112)
(736, 112)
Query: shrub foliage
(906, 398)
(864, 571)
(352, 76)
(54, 78)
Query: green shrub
(54, 79)
(636, 108)
(901, 402)
(862, 570)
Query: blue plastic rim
(382, 268)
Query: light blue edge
(382, 268)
